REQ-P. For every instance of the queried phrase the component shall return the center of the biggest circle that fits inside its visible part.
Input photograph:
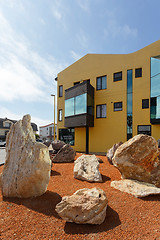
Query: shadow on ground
(44, 204)
(111, 221)
(54, 173)
(105, 178)
(151, 198)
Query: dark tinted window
(67, 135)
(138, 72)
(61, 91)
(118, 106)
(117, 76)
(101, 111)
(101, 82)
(145, 103)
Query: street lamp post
(54, 114)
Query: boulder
(136, 188)
(86, 167)
(57, 145)
(65, 154)
(47, 143)
(27, 167)
(111, 152)
(138, 159)
(84, 206)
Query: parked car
(2, 143)
(39, 140)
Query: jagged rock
(136, 188)
(99, 160)
(84, 206)
(47, 143)
(86, 167)
(65, 154)
(111, 152)
(138, 159)
(57, 145)
(27, 167)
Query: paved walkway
(2, 155)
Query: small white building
(47, 132)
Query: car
(39, 140)
(2, 143)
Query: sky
(40, 38)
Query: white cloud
(75, 55)
(24, 73)
(114, 29)
(84, 5)
(4, 112)
(56, 13)
(82, 39)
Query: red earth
(127, 217)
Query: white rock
(136, 188)
(86, 167)
(84, 206)
(27, 168)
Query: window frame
(120, 109)
(61, 91)
(137, 73)
(100, 105)
(144, 102)
(101, 77)
(60, 111)
(118, 78)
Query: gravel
(127, 217)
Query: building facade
(47, 132)
(106, 98)
(5, 125)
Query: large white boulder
(138, 159)
(136, 188)
(27, 167)
(86, 167)
(84, 206)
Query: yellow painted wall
(107, 131)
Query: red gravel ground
(127, 217)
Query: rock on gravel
(57, 145)
(136, 188)
(84, 206)
(65, 154)
(111, 152)
(86, 167)
(27, 168)
(138, 159)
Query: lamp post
(54, 114)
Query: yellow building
(106, 98)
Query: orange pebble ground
(127, 217)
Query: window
(61, 91)
(101, 82)
(118, 106)
(101, 111)
(7, 124)
(145, 103)
(60, 115)
(117, 76)
(144, 129)
(67, 135)
(76, 105)
(138, 72)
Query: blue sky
(39, 38)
